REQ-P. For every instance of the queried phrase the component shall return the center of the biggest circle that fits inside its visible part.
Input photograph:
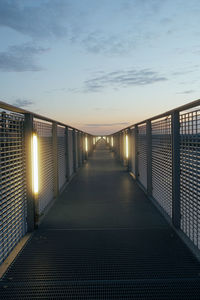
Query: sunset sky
(99, 65)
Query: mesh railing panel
(62, 164)
(142, 155)
(70, 149)
(190, 175)
(13, 203)
(162, 163)
(45, 157)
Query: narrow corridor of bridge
(103, 239)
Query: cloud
(124, 79)
(22, 103)
(20, 58)
(186, 92)
(106, 124)
(110, 44)
(186, 70)
(146, 8)
(38, 20)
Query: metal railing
(163, 154)
(164, 158)
(61, 151)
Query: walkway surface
(103, 239)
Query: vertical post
(121, 146)
(84, 148)
(136, 151)
(55, 160)
(129, 150)
(67, 153)
(79, 149)
(74, 150)
(176, 215)
(31, 213)
(81, 146)
(149, 157)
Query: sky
(99, 65)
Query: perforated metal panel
(190, 175)
(62, 164)
(162, 163)
(12, 183)
(45, 156)
(142, 155)
(70, 149)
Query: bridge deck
(103, 239)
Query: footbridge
(93, 217)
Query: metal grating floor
(95, 257)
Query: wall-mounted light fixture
(35, 164)
(112, 141)
(127, 154)
(86, 144)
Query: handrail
(180, 108)
(15, 109)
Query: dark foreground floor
(103, 240)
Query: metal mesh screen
(142, 155)
(62, 164)
(162, 163)
(45, 157)
(190, 175)
(70, 149)
(12, 182)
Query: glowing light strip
(86, 144)
(112, 143)
(127, 146)
(35, 164)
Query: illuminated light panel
(35, 164)
(112, 142)
(127, 146)
(86, 144)
(93, 141)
